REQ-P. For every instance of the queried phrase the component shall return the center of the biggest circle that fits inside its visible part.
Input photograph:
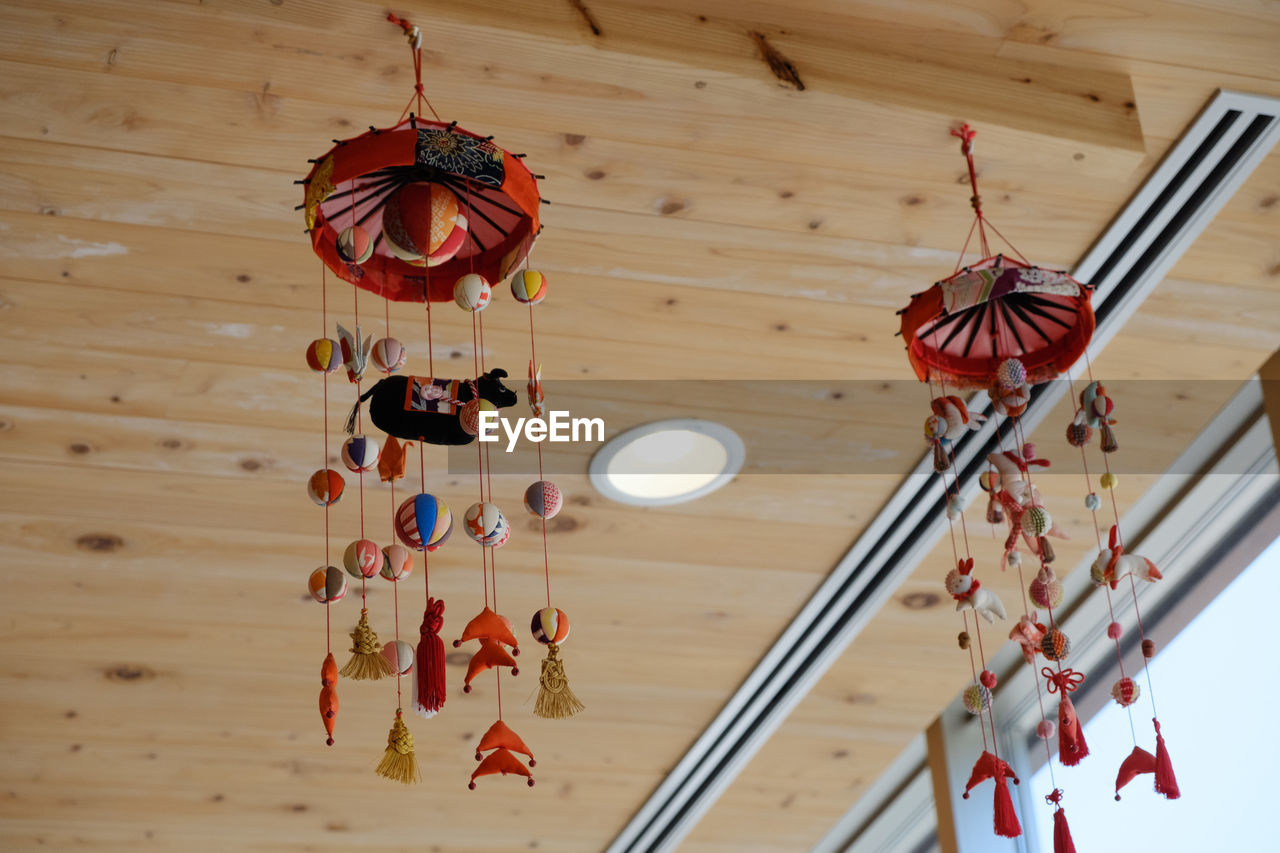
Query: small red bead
(1148, 648)
(329, 741)
(515, 670)
(466, 688)
(478, 755)
(532, 763)
(515, 652)
(530, 781)
(457, 643)
(1115, 630)
(471, 786)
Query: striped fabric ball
(325, 487)
(469, 414)
(487, 525)
(1046, 591)
(362, 559)
(543, 499)
(472, 292)
(388, 355)
(400, 655)
(1125, 691)
(1036, 521)
(424, 522)
(397, 562)
(324, 355)
(529, 287)
(550, 626)
(354, 245)
(360, 453)
(327, 584)
(976, 698)
(1055, 645)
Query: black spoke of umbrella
(470, 188)
(472, 235)
(945, 321)
(977, 326)
(1040, 312)
(967, 315)
(1008, 322)
(379, 200)
(995, 331)
(1017, 309)
(1032, 299)
(365, 187)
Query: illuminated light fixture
(667, 462)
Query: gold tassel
(367, 662)
(555, 700)
(398, 762)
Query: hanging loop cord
(414, 36)
(965, 134)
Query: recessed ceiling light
(667, 462)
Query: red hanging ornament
(1166, 782)
(429, 679)
(988, 766)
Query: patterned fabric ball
(1125, 691)
(1011, 374)
(424, 521)
(1035, 521)
(354, 245)
(1092, 502)
(1078, 435)
(1046, 729)
(935, 427)
(324, 355)
(397, 562)
(486, 524)
(400, 655)
(543, 499)
(1055, 645)
(325, 487)
(989, 481)
(362, 559)
(1046, 592)
(327, 584)
(388, 355)
(469, 415)
(529, 287)
(550, 626)
(472, 292)
(360, 453)
(976, 698)
(418, 218)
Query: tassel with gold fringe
(398, 762)
(367, 662)
(555, 700)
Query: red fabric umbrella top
(961, 329)
(352, 183)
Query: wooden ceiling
(710, 220)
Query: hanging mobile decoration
(423, 211)
(1001, 325)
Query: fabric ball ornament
(388, 355)
(325, 487)
(354, 245)
(1045, 591)
(1011, 374)
(423, 522)
(1108, 480)
(1115, 631)
(1036, 521)
(418, 218)
(976, 699)
(1078, 435)
(935, 427)
(400, 655)
(1046, 729)
(1055, 645)
(1092, 501)
(543, 499)
(529, 287)
(327, 584)
(362, 559)
(486, 524)
(324, 355)
(469, 415)
(1125, 692)
(472, 292)
(989, 481)
(397, 562)
(360, 453)
(550, 626)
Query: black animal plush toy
(419, 408)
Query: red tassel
(1062, 842)
(1072, 748)
(1166, 782)
(1007, 825)
(430, 680)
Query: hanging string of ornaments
(1003, 325)
(425, 211)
